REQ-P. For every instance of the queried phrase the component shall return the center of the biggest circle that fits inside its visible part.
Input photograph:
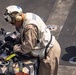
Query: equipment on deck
(12, 63)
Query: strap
(35, 65)
(11, 66)
(28, 66)
(47, 46)
(20, 66)
(10, 70)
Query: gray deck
(58, 13)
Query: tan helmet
(11, 9)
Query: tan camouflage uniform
(48, 66)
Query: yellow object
(25, 70)
(10, 56)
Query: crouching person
(35, 39)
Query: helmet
(14, 8)
(11, 9)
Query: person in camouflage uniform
(36, 39)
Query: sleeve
(29, 40)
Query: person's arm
(30, 39)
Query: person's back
(43, 31)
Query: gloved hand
(9, 45)
(17, 48)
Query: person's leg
(57, 52)
(49, 66)
(44, 68)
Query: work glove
(9, 45)
(17, 48)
